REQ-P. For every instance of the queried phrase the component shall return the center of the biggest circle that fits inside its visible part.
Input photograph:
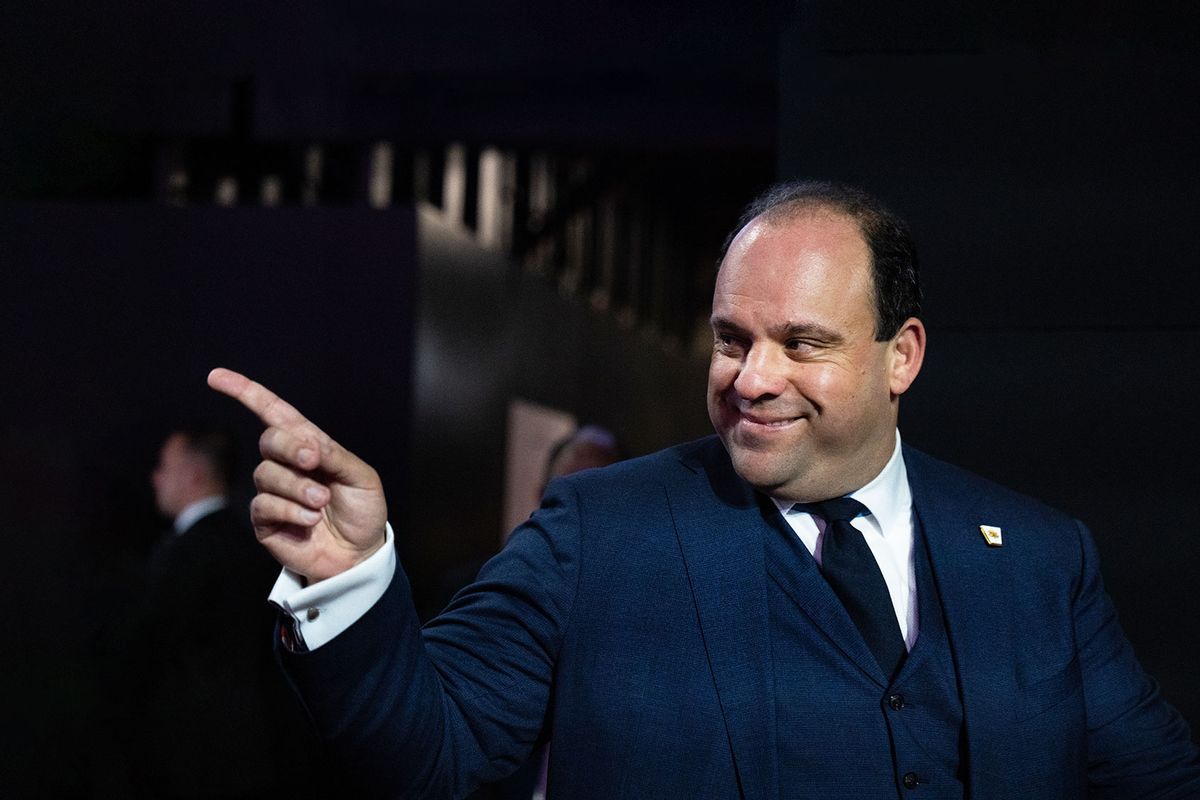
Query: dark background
(1045, 158)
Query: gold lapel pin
(991, 535)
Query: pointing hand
(320, 509)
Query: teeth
(779, 423)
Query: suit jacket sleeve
(434, 712)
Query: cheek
(844, 384)
(826, 384)
(722, 372)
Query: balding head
(896, 284)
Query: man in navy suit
(798, 607)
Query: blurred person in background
(206, 712)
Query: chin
(761, 470)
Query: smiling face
(803, 397)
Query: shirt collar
(887, 496)
(193, 511)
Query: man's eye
(798, 344)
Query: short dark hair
(894, 270)
(217, 446)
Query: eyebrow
(808, 330)
(788, 330)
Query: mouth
(759, 422)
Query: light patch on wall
(497, 184)
(226, 193)
(454, 191)
(271, 191)
(379, 181)
(533, 430)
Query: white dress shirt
(888, 530)
(325, 609)
(192, 512)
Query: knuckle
(256, 507)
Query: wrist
(351, 559)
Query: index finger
(269, 407)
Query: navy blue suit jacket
(628, 620)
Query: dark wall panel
(112, 317)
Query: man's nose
(761, 375)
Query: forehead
(812, 253)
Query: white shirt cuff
(327, 608)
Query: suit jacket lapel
(797, 573)
(720, 529)
(973, 582)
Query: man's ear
(906, 353)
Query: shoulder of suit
(220, 524)
(660, 466)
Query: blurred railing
(635, 236)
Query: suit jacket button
(910, 780)
(313, 613)
(896, 702)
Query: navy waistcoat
(898, 740)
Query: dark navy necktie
(850, 568)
